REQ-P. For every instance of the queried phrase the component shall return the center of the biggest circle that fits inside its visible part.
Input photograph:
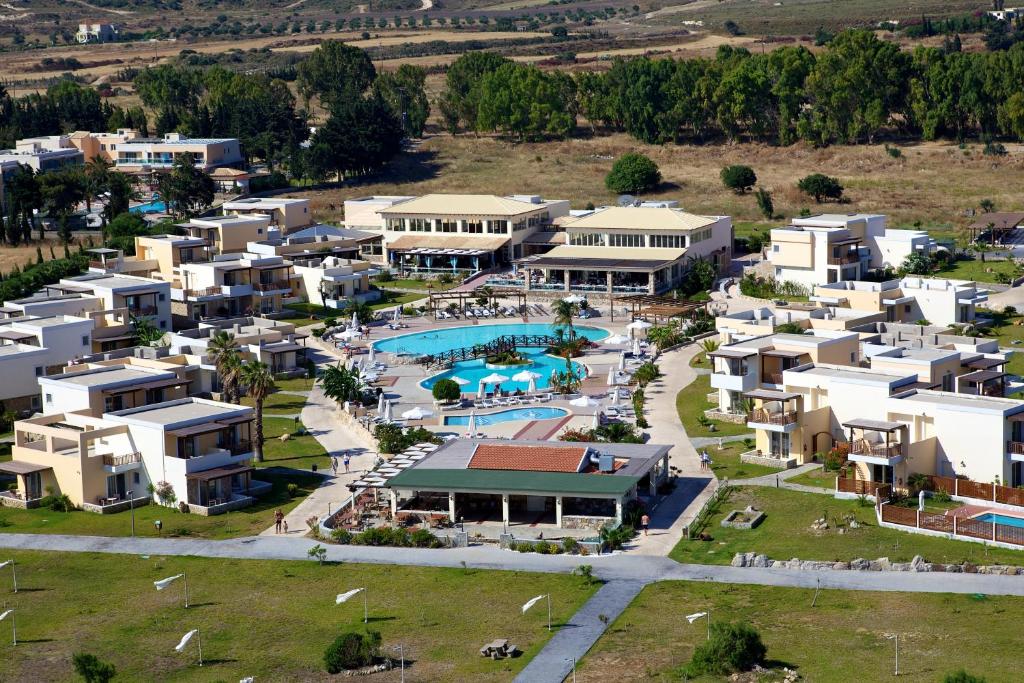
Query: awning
(769, 395)
(204, 428)
(220, 472)
(896, 302)
(449, 244)
(1016, 417)
(984, 363)
(846, 241)
(783, 353)
(982, 376)
(229, 421)
(873, 425)
(732, 353)
(21, 467)
(14, 335)
(282, 347)
(162, 383)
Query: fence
(955, 526)
(965, 488)
(695, 525)
(863, 487)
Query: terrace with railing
(965, 527)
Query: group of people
(280, 523)
(705, 460)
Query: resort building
(233, 285)
(102, 145)
(829, 248)
(336, 282)
(285, 214)
(97, 32)
(363, 213)
(758, 322)
(567, 485)
(139, 155)
(193, 451)
(273, 342)
(139, 297)
(889, 426)
(31, 347)
(630, 250)
(760, 362)
(460, 232)
(49, 153)
(317, 242)
(107, 386)
(910, 299)
(229, 233)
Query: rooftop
(553, 458)
(179, 413)
(107, 376)
(849, 373)
(464, 204)
(642, 218)
(15, 349)
(611, 258)
(966, 402)
(113, 282)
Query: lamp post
(14, 573)
(573, 660)
(131, 506)
(896, 637)
(401, 660)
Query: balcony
(1015, 449)
(238, 289)
(733, 382)
(115, 464)
(142, 311)
(844, 259)
(876, 453)
(768, 418)
(279, 286)
(244, 446)
(204, 293)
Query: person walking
(278, 519)
(347, 460)
(334, 465)
(645, 521)
(284, 524)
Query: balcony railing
(879, 450)
(1015, 447)
(142, 310)
(271, 286)
(205, 291)
(244, 446)
(844, 259)
(773, 377)
(782, 417)
(118, 460)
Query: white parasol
(584, 402)
(416, 413)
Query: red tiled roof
(527, 458)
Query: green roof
(420, 478)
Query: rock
(900, 567)
(760, 561)
(740, 560)
(778, 564)
(884, 563)
(854, 524)
(917, 561)
(874, 566)
(969, 568)
(860, 564)
(840, 565)
(952, 568)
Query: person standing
(347, 460)
(278, 519)
(645, 521)
(334, 465)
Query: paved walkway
(574, 638)
(780, 480)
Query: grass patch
(700, 361)
(295, 384)
(691, 403)
(1011, 336)
(246, 522)
(980, 271)
(652, 641)
(725, 463)
(412, 283)
(279, 404)
(786, 533)
(271, 619)
(299, 452)
(818, 477)
(390, 299)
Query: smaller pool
(1000, 519)
(155, 206)
(508, 416)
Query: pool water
(1000, 519)
(508, 416)
(155, 206)
(475, 370)
(435, 341)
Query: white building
(49, 153)
(363, 213)
(97, 32)
(120, 385)
(141, 154)
(33, 347)
(233, 285)
(285, 213)
(336, 282)
(910, 299)
(141, 297)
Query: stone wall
(733, 418)
(586, 522)
(882, 564)
(752, 458)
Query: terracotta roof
(527, 458)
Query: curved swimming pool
(508, 416)
(436, 341)
(475, 370)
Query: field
(268, 619)
(844, 632)
(913, 190)
(20, 255)
(691, 403)
(786, 533)
(298, 452)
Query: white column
(652, 482)
(558, 511)
(394, 503)
(451, 506)
(504, 508)
(618, 510)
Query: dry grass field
(20, 255)
(933, 183)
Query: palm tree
(221, 348)
(231, 378)
(145, 332)
(97, 176)
(259, 383)
(564, 312)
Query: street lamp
(14, 573)
(896, 637)
(573, 660)
(401, 659)
(131, 506)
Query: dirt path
(122, 12)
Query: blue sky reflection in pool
(475, 370)
(435, 341)
(508, 416)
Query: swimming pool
(435, 341)
(155, 206)
(475, 370)
(1000, 519)
(508, 416)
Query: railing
(502, 344)
(1015, 447)
(851, 257)
(773, 377)
(239, 447)
(142, 310)
(270, 286)
(784, 417)
(877, 450)
(863, 487)
(118, 460)
(206, 291)
(953, 525)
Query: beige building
(48, 153)
(138, 155)
(335, 282)
(233, 285)
(937, 300)
(363, 213)
(285, 214)
(273, 342)
(102, 145)
(229, 234)
(107, 386)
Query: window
(161, 297)
(135, 478)
(625, 240)
(85, 340)
(259, 231)
(906, 308)
(39, 371)
(396, 224)
(668, 241)
(446, 225)
(163, 324)
(497, 227)
(419, 225)
(519, 225)
(35, 403)
(474, 227)
(587, 239)
(775, 248)
(49, 398)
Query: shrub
(292, 489)
(821, 187)
(633, 173)
(446, 390)
(542, 547)
(352, 651)
(738, 178)
(385, 276)
(91, 668)
(379, 536)
(765, 203)
(732, 648)
(422, 538)
(962, 676)
(524, 547)
(341, 536)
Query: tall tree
(61, 192)
(259, 382)
(334, 71)
(222, 349)
(461, 95)
(187, 190)
(404, 92)
(361, 136)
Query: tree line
(857, 89)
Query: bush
(91, 668)
(446, 390)
(821, 187)
(732, 648)
(292, 489)
(352, 651)
(632, 173)
(341, 536)
(380, 536)
(765, 204)
(421, 538)
(738, 178)
(542, 547)
(962, 676)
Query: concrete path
(575, 637)
(780, 480)
(710, 441)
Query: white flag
(6, 614)
(184, 640)
(694, 617)
(532, 602)
(4, 564)
(344, 597)
(164, 583)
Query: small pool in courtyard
(998, 519)
(475, 370)
(508, 416)
(435, 341)
(155, 206)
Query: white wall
(21, 372)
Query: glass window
(587, 239)
(396, 224)
(625, 240)
(474, 227)
(497, 227)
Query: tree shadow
(34, 640)
(202, 604)
(372, 620)
(226, 660)
(411, 166)
(22, 589)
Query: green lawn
(818, 477)
(691, 403)
(726, 463)
(299, 452)
(700, 361)
(1007, 333)
(410, 283)
(269, 619)
(785, 533)
(980, 271)
(279, 404)
(247, 522)
(295, 384)
(841, 638)
(391, 299)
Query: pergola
(644, 306)
(997, 224)
(441, 300)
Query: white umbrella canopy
(460, 381)
(388, 411)
(574, 299)
(584, 402)
(597, 421)
(398, 313)
(346, 335)
(616, 339)
(355, 321)
(636, 347)
(612, 377)
(372, 358)
(615, 397)
(417, 413)
(494, 378)
(639, 325)
(525, 376)
(471, 427)
(380, 403)
(622, 361)
(481, 390)
(532, 387)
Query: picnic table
(498, 649)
